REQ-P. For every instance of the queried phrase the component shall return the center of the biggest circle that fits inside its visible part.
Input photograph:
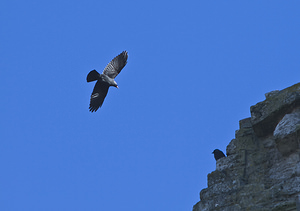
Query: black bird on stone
(218, 154)
(105, 80)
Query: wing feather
(115, 66)
(98, 95)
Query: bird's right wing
(98, 95)
(115, 66)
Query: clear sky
(194, 69)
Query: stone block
(266, 115)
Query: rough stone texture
(266, 115)
(262, 167)
(287, 132)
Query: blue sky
(194, 69)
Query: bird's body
(218, 154)
(105, 80)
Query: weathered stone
(262, 169)
(285, 206)
(225, 162)
(269, 142)
(285, 168)
(231, 147)
(287, 133)
(266, 115)
(245, 123)
(288, 124)
(271, 94)
(298, 202)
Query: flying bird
(105, 80)
(218, 154)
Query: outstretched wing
(98, 95)
(116, 65)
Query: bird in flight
(105, 80)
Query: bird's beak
(117, 87)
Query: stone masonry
(262, 169)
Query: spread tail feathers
(92, 76)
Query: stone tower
(262, 167)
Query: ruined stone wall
(262, 167)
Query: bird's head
(115, 85)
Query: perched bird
(105, 80)
(218, 154)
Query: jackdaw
(105, 80)
(218, 154)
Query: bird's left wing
(115, 66)
(98, 95)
